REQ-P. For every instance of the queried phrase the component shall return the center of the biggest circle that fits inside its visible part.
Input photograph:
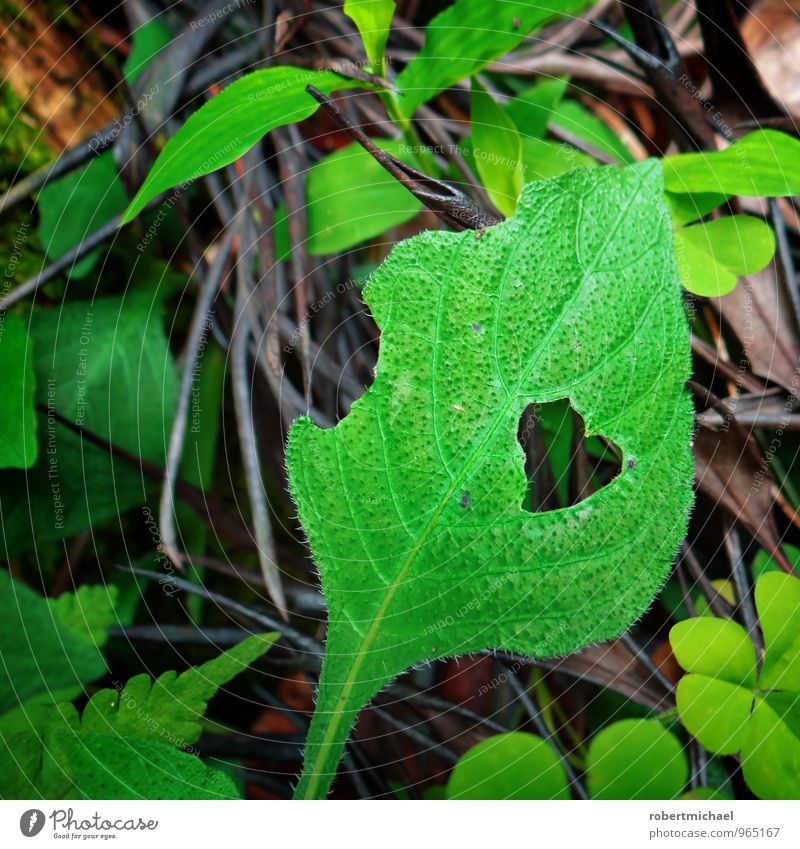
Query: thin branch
(242, 327)
(194, 346)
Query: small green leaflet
(170, 708)
(18, 445)
(764, 163)
(413, 504)
(373, 18)
(126, 742)
(631, 759)
(509, 766)
(712, 254)
(729, 706)
(466, 37)
(228, 125)
(636, 759)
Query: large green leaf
(351, 198)
(228, 125)
(636, 759)
(764, 163)
(466, 37)
(18, 445)
(169, 708)
(509, 766)
(413, 504)
(106, 366)
(37, 653)
(74, 206)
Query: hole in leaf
(562, 466)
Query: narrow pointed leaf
(373, 18)
(764, 163)
(497, 150)
(414, 503)
(232, 122)
(466, 37)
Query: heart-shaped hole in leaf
(563, 465)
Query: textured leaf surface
(106, 767)
(413, 504)
(232, 122)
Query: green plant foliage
(636, 759)
(712, 255)
(497, 150)
(39, 653)
(106, 767)
(532, 109)
(106, 366)
(466, 37)
(18, 445)
(373, 18)
(688, 207)
(413, 504)
(509, 766)
(576, 119)
(57, 761)
(352, 198)
(125, 745)
(542, 159)
(87, 613)
(147, 41)
(764, 163)
(228, 125)
(723, 705)
(169, 708)
(74, 206)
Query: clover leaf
(728, 706)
